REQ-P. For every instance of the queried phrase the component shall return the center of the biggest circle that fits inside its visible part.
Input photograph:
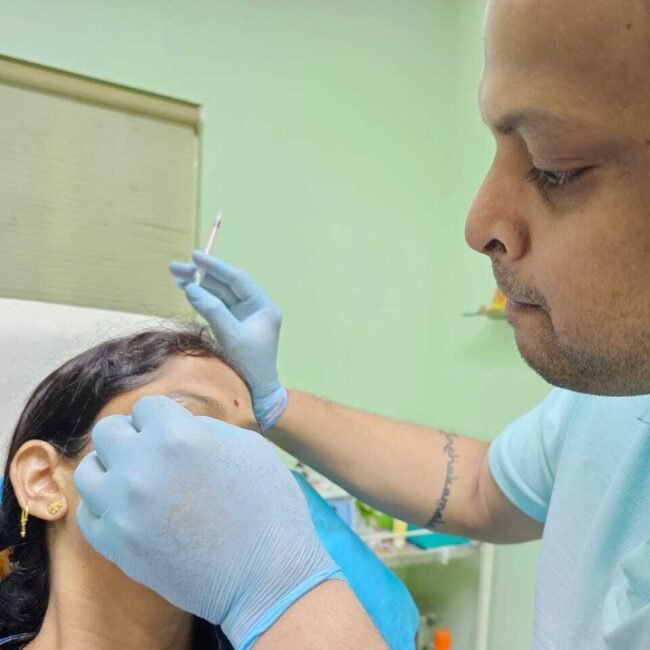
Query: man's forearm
(329, 616)
(423, 475)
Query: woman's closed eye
(199, 404)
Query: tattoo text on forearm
(450, 477)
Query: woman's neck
(94, 605)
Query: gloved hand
(202, 512)
(246, 324)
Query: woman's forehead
(204, 385)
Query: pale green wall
(342, 140)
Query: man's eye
(548, 180)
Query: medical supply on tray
(442, 639)
(428, 626)
(399, 529)
(434, 539)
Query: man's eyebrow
(532, 119)
(209, 402)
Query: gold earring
(24, 515)
(53, 508)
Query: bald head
(564, 212)
(585, 52)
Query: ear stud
(53, 508)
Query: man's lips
(515, 307)
(518, 302)
(521, 303)
(518, 294)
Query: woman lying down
(56, 592)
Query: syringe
(199, 274)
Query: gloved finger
(110, 436)
(220, 290)
(216, 288)
(158, 411)
(213, 309)
(183, 270)
(225, 428)
(93, 528)
(241, 284)
(88, 522)
(90, 479)
(184, 273)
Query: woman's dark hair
(61, 411)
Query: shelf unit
(410, 554)
(451, 584)
(406, 558)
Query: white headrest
(37, 337)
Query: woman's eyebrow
(209, 402)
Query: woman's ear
(37, 477)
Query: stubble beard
(613, 360)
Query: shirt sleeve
(524, 457)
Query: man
(564, 215)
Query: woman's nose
(495, 225)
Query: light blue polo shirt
(581, 465)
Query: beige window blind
(98, 191)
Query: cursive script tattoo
(450, 477)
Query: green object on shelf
(372, 516)
(433, 540)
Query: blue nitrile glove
(382, 594)
(246, 324)
(203, 513)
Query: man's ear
(37, 476)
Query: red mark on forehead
(236, 402)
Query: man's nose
(495, 225)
